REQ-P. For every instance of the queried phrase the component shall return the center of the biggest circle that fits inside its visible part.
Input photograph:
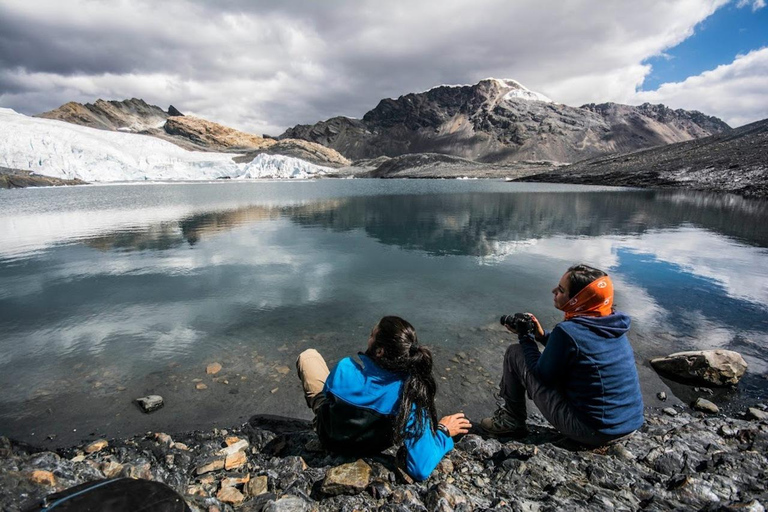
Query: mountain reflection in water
(109, 293)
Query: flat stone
(702, 404)
(96, 446)
(235, 460)
(258, 485)
(209, 465)
(111, 468)
(350, 478)
(43, 477)
(230, 495)
(232, 449)
(235, 479)
(180, 446)
(706, 367)
(670, 411)
(757, 414)
(213, 368)
(150, 403)
(200, 386)
(283, 370)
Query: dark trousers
(517, 379)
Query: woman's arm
(424, 452)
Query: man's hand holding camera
(523, 324)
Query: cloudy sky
(263, 66)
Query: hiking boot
(503, 423)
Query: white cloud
(265, 66)
(756, 4)
(735, 92)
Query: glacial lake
(109, 293)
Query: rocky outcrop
(15, 178)
(706, 367)
(690, 461)
(734, 161)
(501, 121)
(434, 165)
(132, 115)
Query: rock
(43, 477)
(150, 403)
(445, 466)
(707, 367)
(235, 460)
(258, 485)
(164, 439)
(444, 496)
(174, 112)
(702, 404)
(661, 396)
(213, 368)
(756, 414)
(232, 449)
(111, 468)
(200, 386)
(288, 503)
(283, 370)
(230, 440)
(230, 495)
(96, 446)
(349, 478)
(213, 464)
(670, 411)
(235, 479)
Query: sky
(264, 66)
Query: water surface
(108, 293)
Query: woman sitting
(385, 398)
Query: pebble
(43, 477)
(757, 414)
(96, 446)
(670, 411)
(230, 495)
(150, 403)
(200, 386)
(213, 368)
(283, 370)
(704, 405)
(661, 395)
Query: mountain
(189, 132)
(68, 151)
(501, 121)
(132, 115)
(735, 161)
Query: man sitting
(585, 381)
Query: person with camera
(585, 381)
(386, 397)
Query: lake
(109, 293)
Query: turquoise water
(108, 293)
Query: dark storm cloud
(264, 66)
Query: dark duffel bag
(115, 495)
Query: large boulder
(706, 367)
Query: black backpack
(115, 495)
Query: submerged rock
(707, 367)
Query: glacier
(63, 150)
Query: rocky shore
(680, 459)
(14, 178)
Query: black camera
(522, 323)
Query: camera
(522, 323)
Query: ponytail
(401, 353)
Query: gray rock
(150, 403)
(661, 396)
(444, 496)
(707, 367)
(757, 414)
(670, 411)
(704, 405)
(288, 503)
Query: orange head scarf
(595, 299)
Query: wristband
(442, 428)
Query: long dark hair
(401, 353)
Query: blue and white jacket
(362, 401)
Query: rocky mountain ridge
(734, 161)
(191, 133)
(497, 121)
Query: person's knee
(514, 351)
(308, 354)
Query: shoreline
(689, 460)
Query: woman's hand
(456, 424)
(538, 330)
